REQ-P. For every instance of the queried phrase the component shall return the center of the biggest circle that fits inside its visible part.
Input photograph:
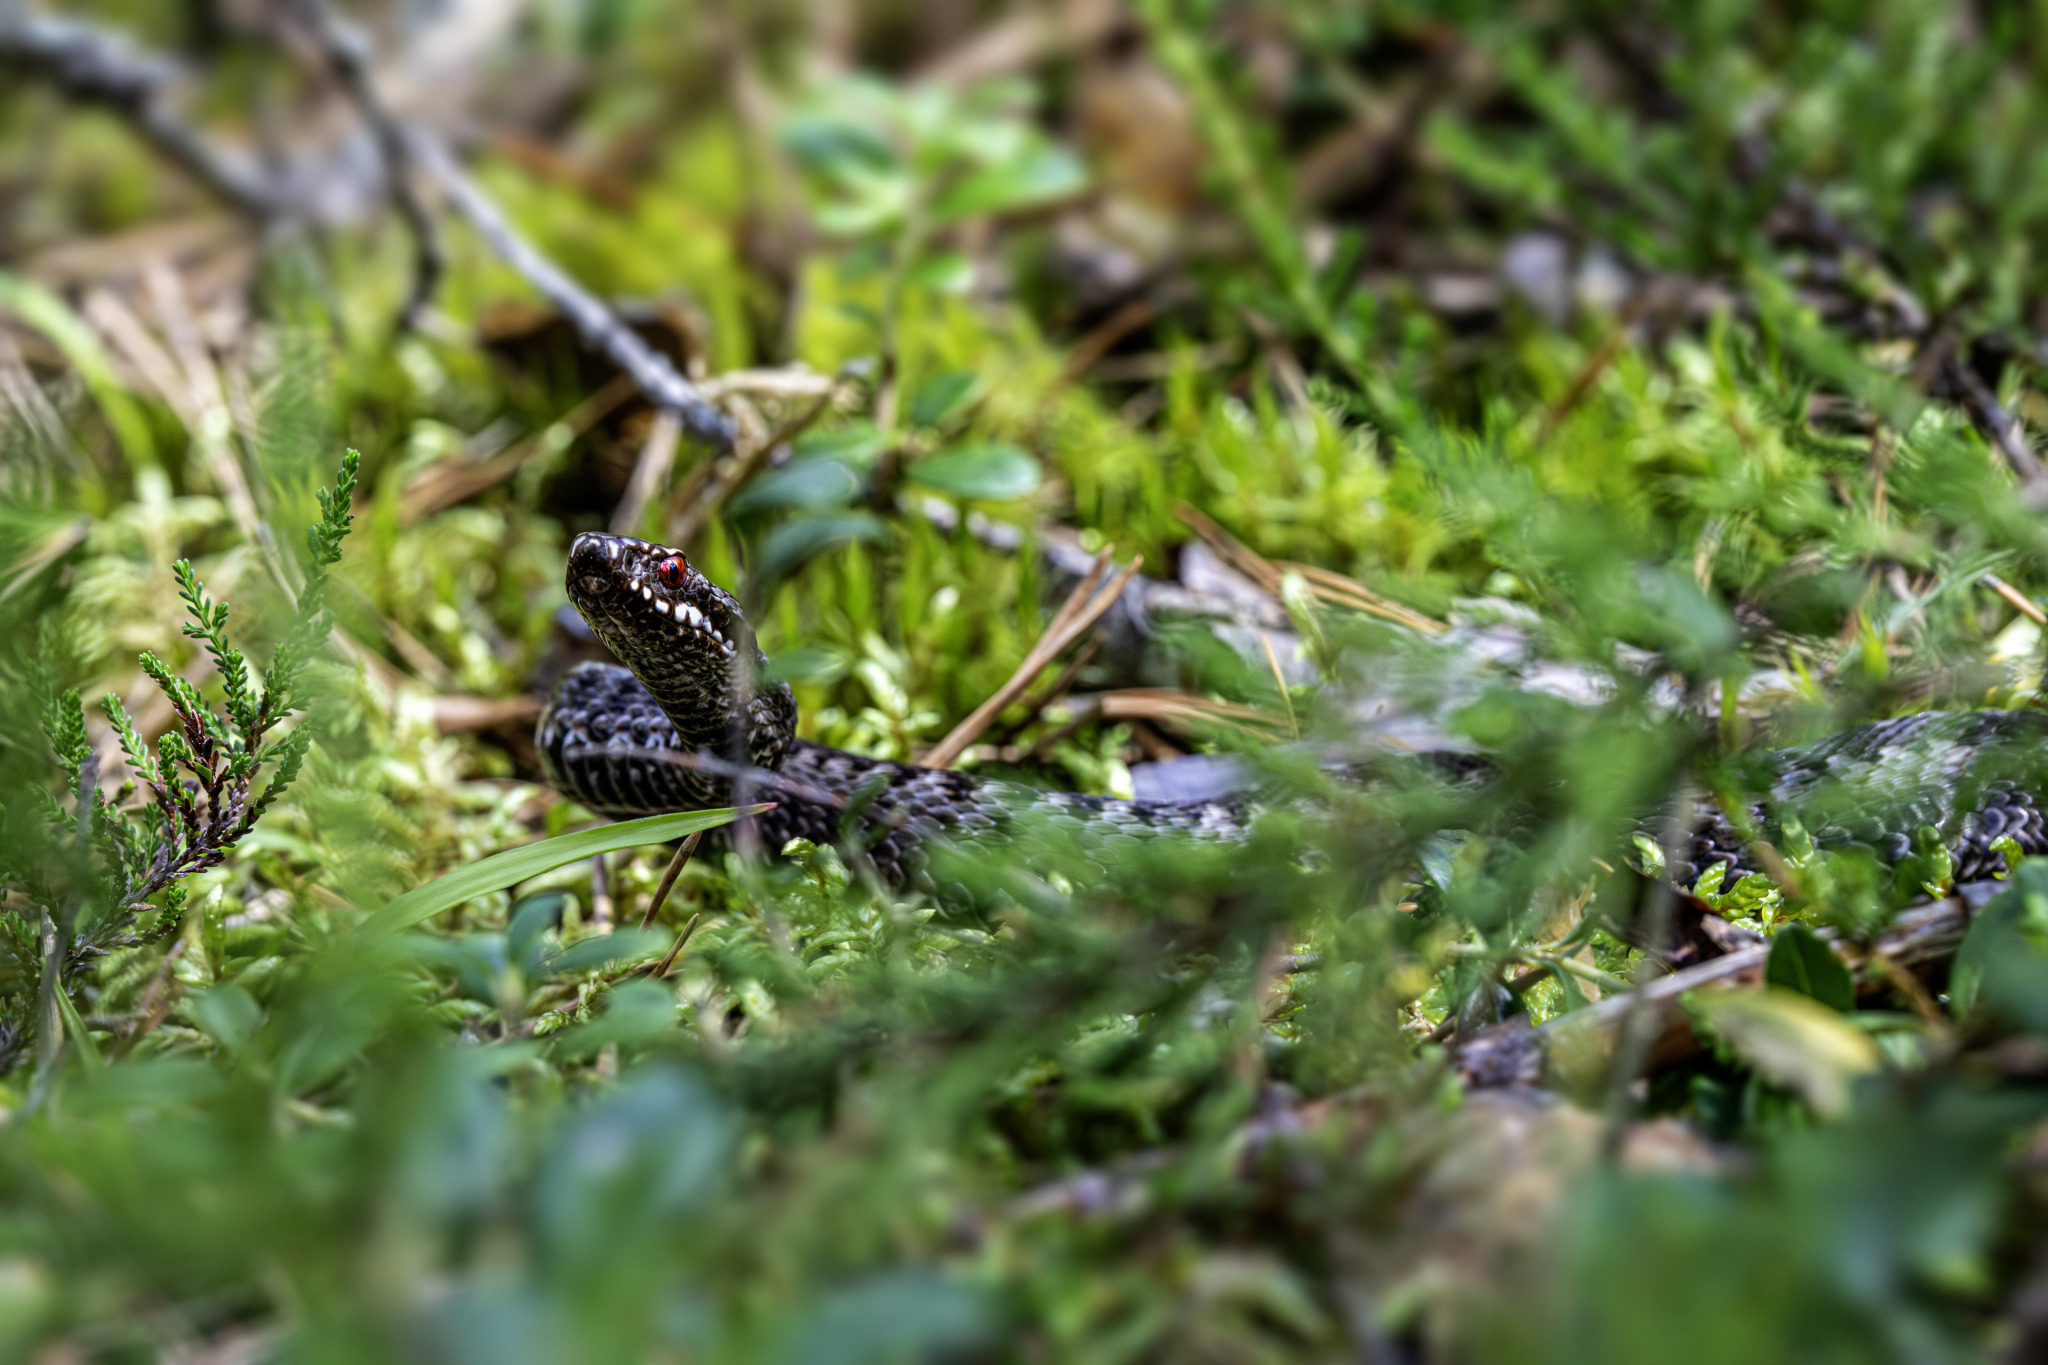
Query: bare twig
(2000, 427)
(454, 481)
(662, 968)
(1513, 1053)
(676, 864)
(600, 328)
(1333, 588)
(713, 483)
(348, 54)
(2015, 597)
(92, 66)
(1076, 616)
(650, 472)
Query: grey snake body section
(693, 715)
(605, 742)
(1974, 778)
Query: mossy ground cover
(1684, 360)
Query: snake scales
(691, 715)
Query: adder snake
(693, 714)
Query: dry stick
(668, 878)
(2019, 600)
(1034, 705)
(1333, 588)
(2002, 428)
(650, 472)
(348, 53)
(1927, 933)
(130, 337)
(1596, 365)
(1082, 609)
(661, 968)
(451, 482)
(599, 327)
(95, 67)
(1097, 343)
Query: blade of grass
(516, 865)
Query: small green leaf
(816, 665)
(829, 146)
(230, 1014)
(943, 395)
(1791, 1041)
(516, 865)
(800, 483)
(625, 945)
(1039, 177)
(796, 542)
(2002, 965)
(1802, 961)
(948, 272)
(857, 445)
(991, 472)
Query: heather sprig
(202, 776)
(94, 868)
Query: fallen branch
(712, 484)
(349, 55)
(600, 328)
(91, 66)
(1569, 1048)
(1999, 427)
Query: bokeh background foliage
(1685, 358)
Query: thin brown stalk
(453, 481)
(650, 472)
(2019, 600)
(662, 968)
(668, 878)
(1082, 609)
(1333, 588)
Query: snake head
(647, 603)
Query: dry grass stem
(1077, 615)
(676, 864)
(1332, 588)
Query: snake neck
(687, 641)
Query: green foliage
(1100, 1098)
(201, 779)
(1801, 961)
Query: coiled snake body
(691, 718)
(691, 723)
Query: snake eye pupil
(669, 573)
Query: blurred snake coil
(693, 713)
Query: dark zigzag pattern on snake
(606, 736)
(601, 735)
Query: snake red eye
(669, 573)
